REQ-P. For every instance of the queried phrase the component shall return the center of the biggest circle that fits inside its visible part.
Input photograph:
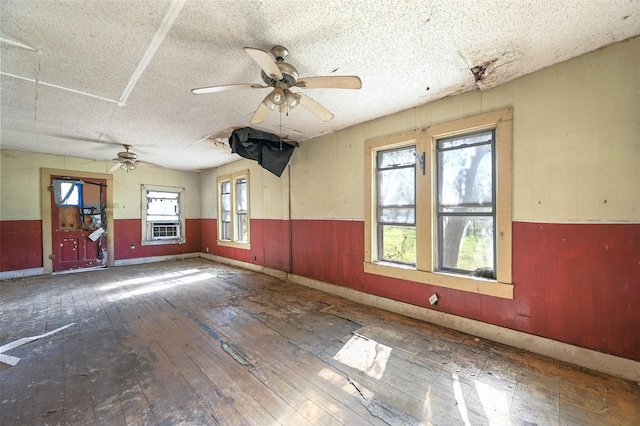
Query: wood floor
(195, 342)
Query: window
(438, 207)
(162, 215)
(225, 210)
(233, 210)
(466, 212)
(396, 206)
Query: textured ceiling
(81, 77)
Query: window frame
(425, 270)
(146, 233)
(233, 179)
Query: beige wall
(268, 194)
(576, 143)
(20, 184)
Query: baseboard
(7, 275)
(594, 360)
(152, 259)
(245, 265)
(20, 273)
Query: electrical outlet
(433, 299)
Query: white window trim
(425, 141)
(232, 178)
(145, 241)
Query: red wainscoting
(20, 244)
(575, 283)
(269, 243)
(128, 233)
(208, 235)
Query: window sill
(161, 242)
(456, 282)
(234, 244)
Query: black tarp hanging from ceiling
(267, 149)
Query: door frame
(45, 203)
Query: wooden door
(79, 223)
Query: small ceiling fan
(128, 160)
(282, 76)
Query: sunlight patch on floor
(163, 285)
(148, 279)
(365, 355)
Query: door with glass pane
(79, 223)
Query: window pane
(467, 242)
(396, 195)
(465, 140)
(157, 194)
(225, 230)
(465, 178)
(67, 192)
(397, 243)
(405, 215)
(225, 201)
(243, 228)
(163, 206)
(396, 157)
(241, 195)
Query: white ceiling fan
(128, 160)
(282, 76)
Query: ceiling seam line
(158, 38)
(18, 44)
(40, 82)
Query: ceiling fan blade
(148, 164)
(266, 62)
(223, 88)
(315, 108)
(330, 82)
(150, 167)
(260, 114)
(115, 166)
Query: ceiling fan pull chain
(35, 103)
(280, 132)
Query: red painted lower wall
(127, 233)
(269, 243)
(575, 283)
(20, 244)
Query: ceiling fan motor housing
(126, 155)
(289, 75)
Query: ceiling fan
(282, 76)
(128, 160)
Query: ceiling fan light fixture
(291, 99)
(268, 103)
(277, 96)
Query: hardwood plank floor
(196, 342)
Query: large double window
(163, 218)
(439, 205)
(233, 210)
